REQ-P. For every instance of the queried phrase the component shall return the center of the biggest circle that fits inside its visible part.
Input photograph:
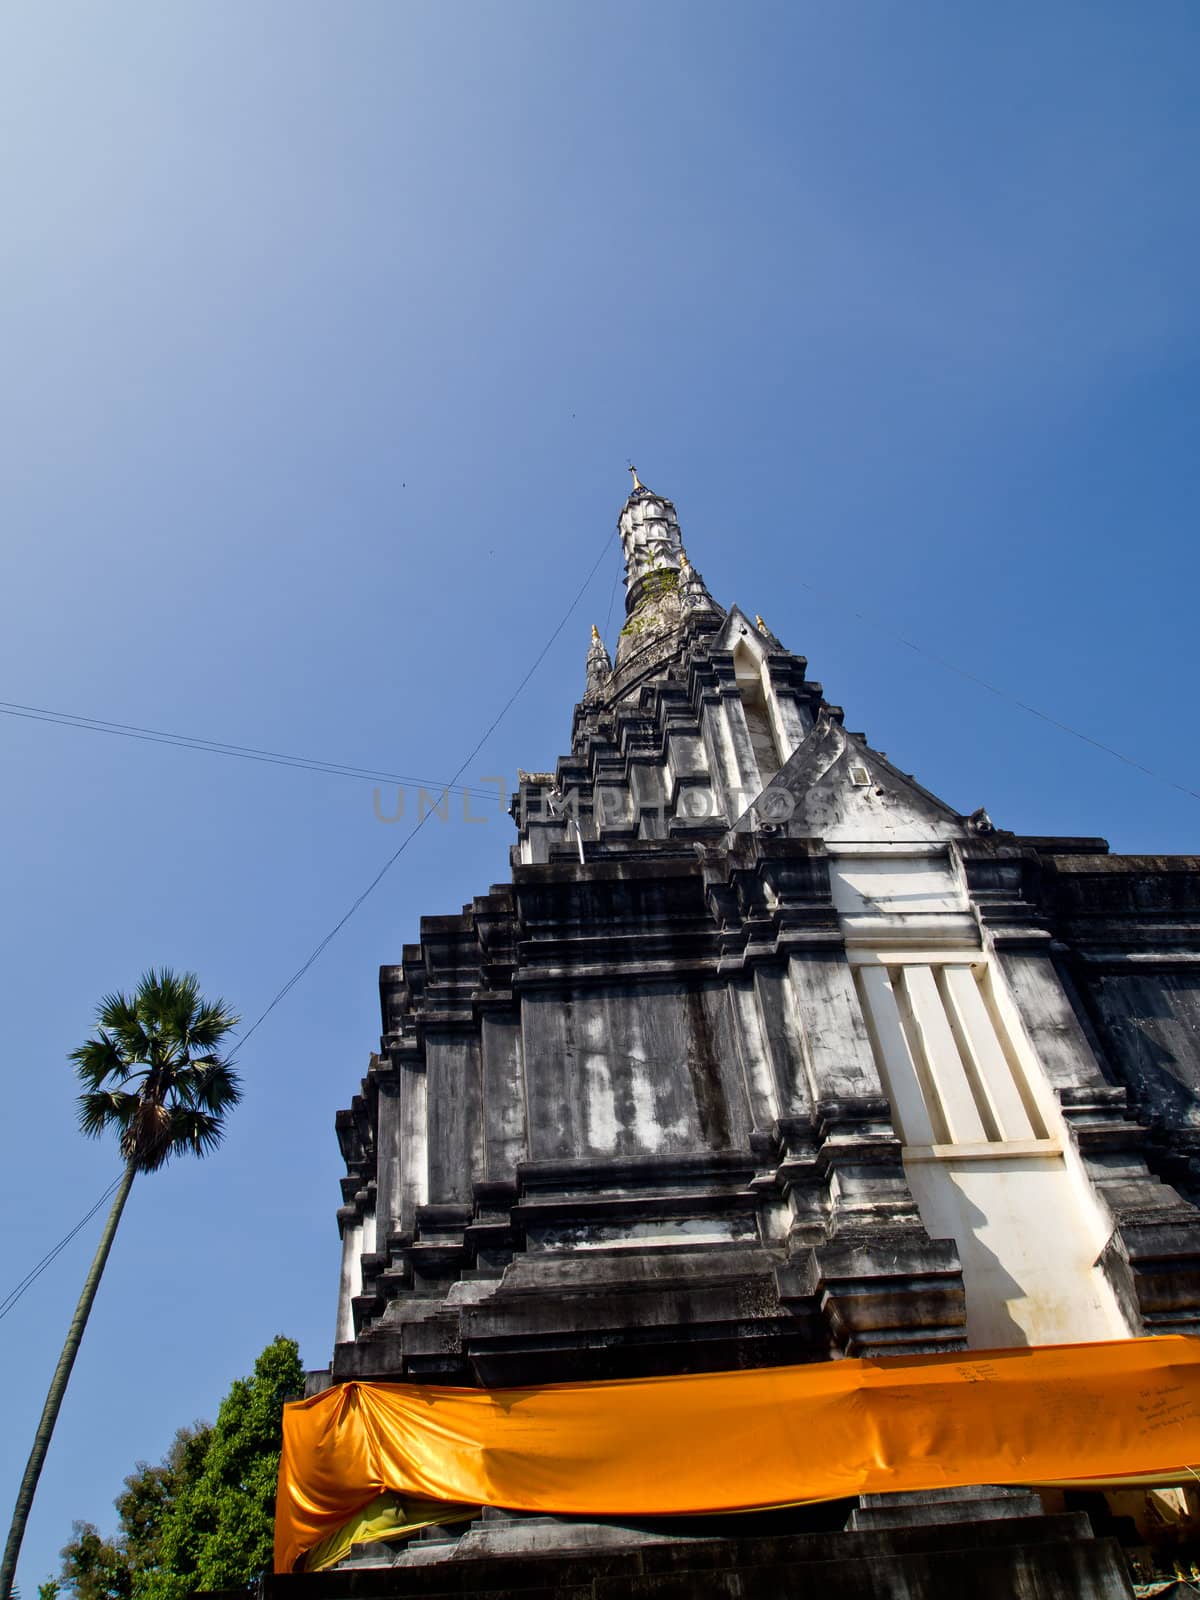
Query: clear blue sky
(327, 332)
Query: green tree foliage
(204, 1517)
(93, 1567)
(151, 1492)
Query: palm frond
(100, 1109)
(211, 1021)
(117, 1010)
(168, 998)
(168, 1088)
(194, 1131)
(118, 1015)
(98, 1059)
(209, 1084)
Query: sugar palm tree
(155, 1074)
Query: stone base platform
(1010, 1558)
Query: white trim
(1002, 1150)
(886, 847)
(926, 956)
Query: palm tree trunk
(58, 1388)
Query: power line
(241, 752)
(35, 1272)
(417, 826)
(31, 1277)
(1004, 694)
(186, 741)
(612, 595)
(249, 752)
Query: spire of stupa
(662, 588)
(599, 663)
(651, 541)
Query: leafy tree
(153, 1072)
(203, 1518)
(221, 1528)
(93, 1567)
(151, 1492)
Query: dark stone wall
(1016, 1558)
(1150, 1025)
(1129, 933)
(626, 1117)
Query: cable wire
(187, 741)
(612, 595)
(35, 1272)
(130, 730)
(417, 826)
(1005, 694)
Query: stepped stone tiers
(764, 1054)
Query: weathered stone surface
(1007, 1558)
(765, 1054)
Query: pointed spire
(693, 595)
(651, 541)
(661, 587)
(599, 664)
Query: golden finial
(761, 625)
(595, 634)
(684, 562)
(637, 482)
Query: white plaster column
(350, 1282)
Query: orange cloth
(732, 1441)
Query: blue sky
(328, 332)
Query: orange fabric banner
(734, 1441)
